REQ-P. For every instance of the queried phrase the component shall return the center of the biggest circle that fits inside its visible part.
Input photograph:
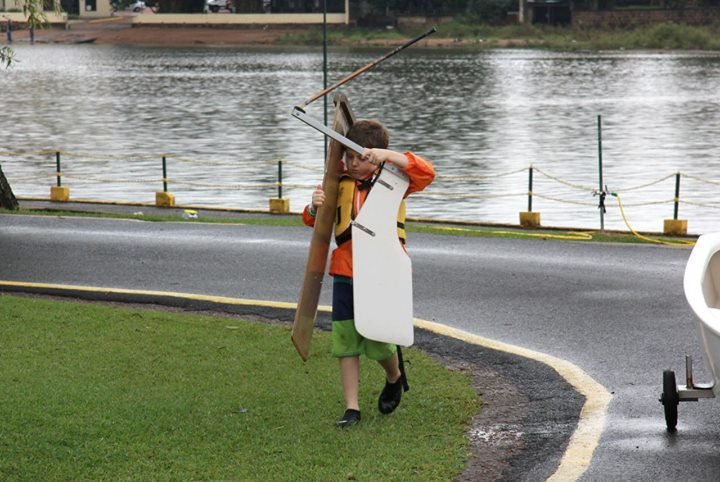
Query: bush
(674, 36)
(491, 11)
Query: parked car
(216, 5)
(137, 6)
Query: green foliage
(469, 28)
(34, 9)
(674, 36)
(92, 392)
(484, 10)
(419, 7)
(7, 56)
(656, 36)
(490, 11)
(355, 36)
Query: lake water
(222, 117)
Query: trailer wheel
(670, 400)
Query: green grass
(664, 36)
(350, 36)
(207, 217)
(413, 227)
(543, 234)
(477, 35)
(93, 392)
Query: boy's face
(357, 167)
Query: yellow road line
(584, 440)
(165, 294)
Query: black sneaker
(390, 396)
(349, 418)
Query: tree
(6, 56)
(33, 10)
(7, 198)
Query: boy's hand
(378, 156)
(318, 197)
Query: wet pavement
(616, 311)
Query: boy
(347, 344)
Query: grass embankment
(91, 392)
(478, 36)
(446, 229)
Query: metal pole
(325, 100)
(530, 190)
(164, 164)
(599, 133)
(58, 173)
(279, 178)
(689, 383)
(677, 194)
(365, 68)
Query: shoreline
(119, 30)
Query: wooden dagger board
(322, 233)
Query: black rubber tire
(670, 400)
(214, 9)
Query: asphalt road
(616, 311)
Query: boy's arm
(308, 216)
(378, 156)
(318, 198)
(419, 171)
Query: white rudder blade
(382, 271)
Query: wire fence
(248, 184)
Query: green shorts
(346, 341)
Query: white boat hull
(702, 290)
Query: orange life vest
(350, 200)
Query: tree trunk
(7, 198)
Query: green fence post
(279, 205)
(59, 192)
(164, 198)
(530, 189)
(530, 219)
(164, 165)
(677, 195)
(58, 172)
(599, 135)
(675, 226)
